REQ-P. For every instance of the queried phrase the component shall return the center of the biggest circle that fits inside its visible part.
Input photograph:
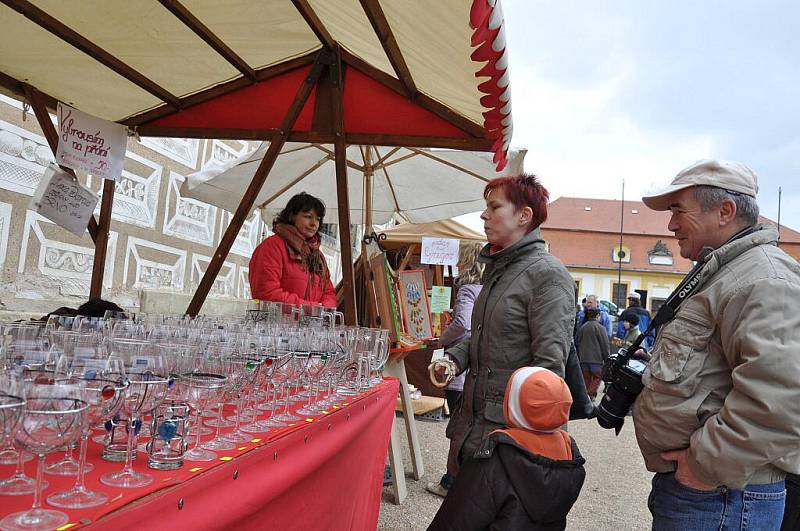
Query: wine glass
(233, 373)
(53, 415)
(12, 402)
(29, 365)
(202, 386)
(148, 383)
(244, 377)
(104, 398)
(65, 346)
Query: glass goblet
(11, 407)
(104, 398)
(201, 388)
(53, 415)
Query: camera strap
(689, 284)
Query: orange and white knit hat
(537, 400)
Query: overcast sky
(638, 90)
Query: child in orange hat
(526, 476)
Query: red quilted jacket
(274, 277)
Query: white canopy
(420, 185)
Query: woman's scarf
(306, 252)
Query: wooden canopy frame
(324, 76)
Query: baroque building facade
(159, 245)
(586, 233)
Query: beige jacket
(724, 380)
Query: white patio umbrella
(418, 185)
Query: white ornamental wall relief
(186, 218)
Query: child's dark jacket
(506, 487)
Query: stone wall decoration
(5, 221)
(248, 238)
(222, 152)
(183, 150)
(188, 219)
(58, 263)
(136, 192)
(23, 158)
(244, 283)
(225, 283)
(153, 265)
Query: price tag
(442, 251)
(63, 200)
(90, 144)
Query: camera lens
(613, 408)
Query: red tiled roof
(587, 238)
(603, 215)
(577, 248)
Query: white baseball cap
(732, 176)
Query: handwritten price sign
(90, 144)
(63, 200)
(442, 251)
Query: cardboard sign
(440, 299)
(442, 251)
(90, 144)
(63, 200)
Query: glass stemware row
(62, 379)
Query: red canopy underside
(369, 107)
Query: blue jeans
(676, 507)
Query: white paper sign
(90, 144)
(442, 251)
(63, 200)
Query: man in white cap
(719, 417)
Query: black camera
(623, 377)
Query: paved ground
(614, 496)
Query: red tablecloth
(321, 473)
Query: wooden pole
(342, 193)
(36, 100)
(101, 243)
(369, 282)
(249, 198)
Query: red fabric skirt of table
(319, 473)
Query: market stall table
(319, 473)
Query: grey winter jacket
(593, 346)
(524, 315)
(459, 328)
(724, 379)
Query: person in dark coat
(593, 349)
(642, 318)
(523, 477)
(523, 315)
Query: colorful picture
(388, 313)
(414, 299)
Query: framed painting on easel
(414, 303)
(388, 316)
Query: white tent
(418, 185)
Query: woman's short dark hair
(301, 202)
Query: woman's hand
(442, 371)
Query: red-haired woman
(523, 316)
(289, 265)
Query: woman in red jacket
(289, 266)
